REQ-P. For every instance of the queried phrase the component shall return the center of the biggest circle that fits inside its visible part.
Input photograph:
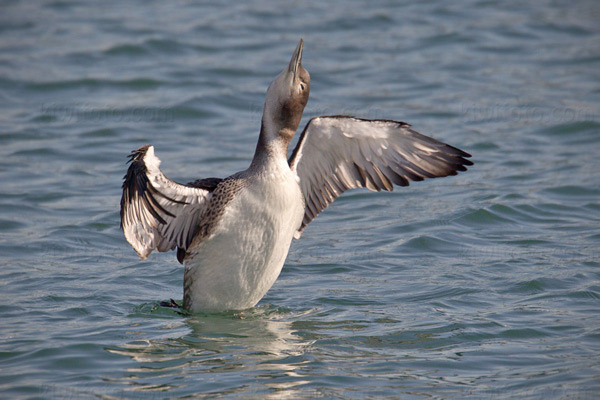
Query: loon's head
(286, 98)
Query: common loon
(233, 234)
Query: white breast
(235, 267)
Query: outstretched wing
(157, 213)
(337, 153)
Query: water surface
(483, 285)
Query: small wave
(162, 46)
(134, 83)
(100, 133)
(431, 244)
(572, 128)
(571, 191)
(488, 216)
(126, 49)
(523, 333)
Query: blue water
(483, 285)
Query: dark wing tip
(458, 152)
(457, 159)
(138, 154)
(135, 182)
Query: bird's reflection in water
(210, 353)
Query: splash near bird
(233, 234)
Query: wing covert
(157, 213)
(337, 153)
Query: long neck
(272, 146)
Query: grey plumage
(337, 153)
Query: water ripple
(482, 285)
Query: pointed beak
(296, 58)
